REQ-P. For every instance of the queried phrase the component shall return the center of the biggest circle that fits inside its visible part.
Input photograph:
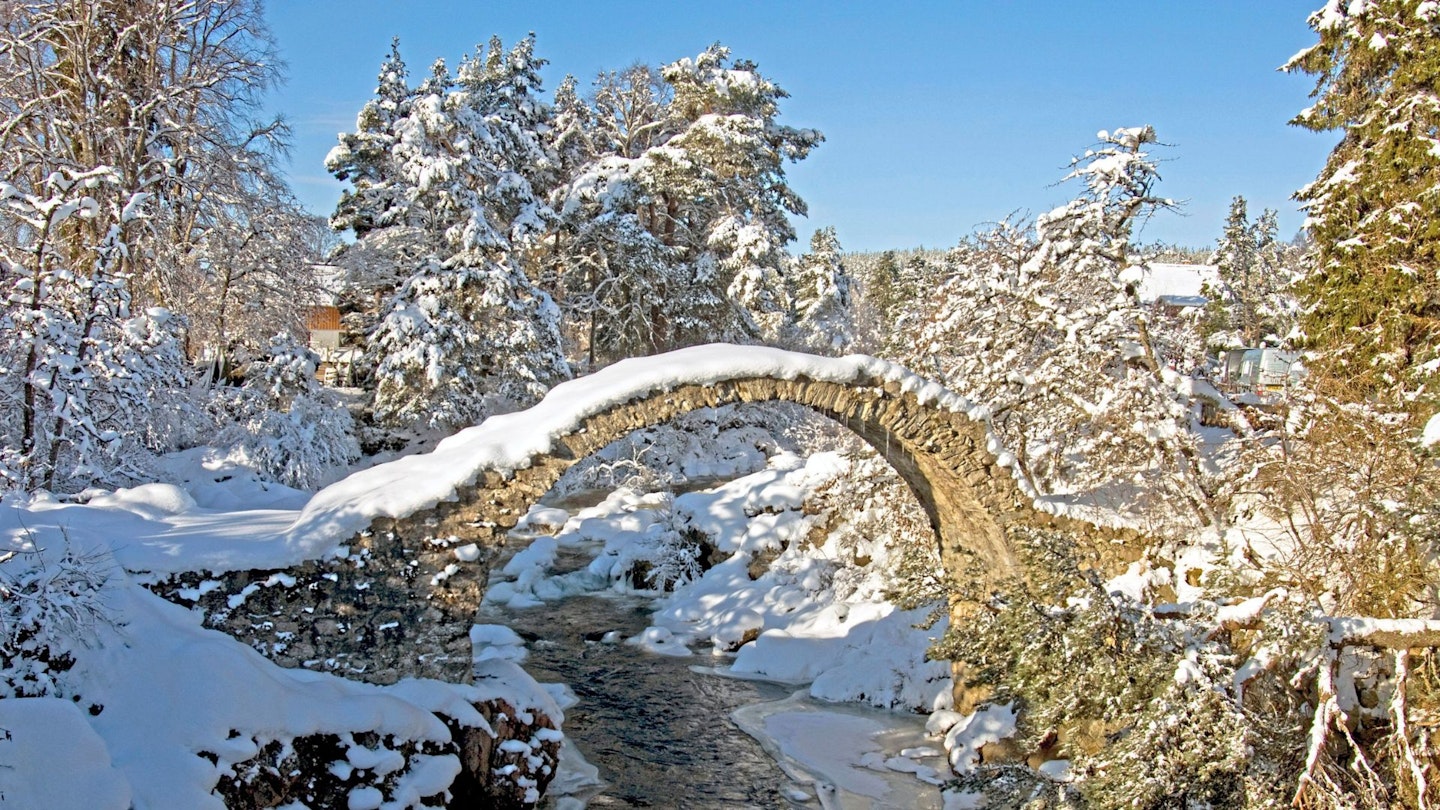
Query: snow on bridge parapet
(510, 442)
(393, 561)
(486, 477)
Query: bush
(46, 608)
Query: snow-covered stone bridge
(397, 552)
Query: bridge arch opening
(707, 448)
(941, 455)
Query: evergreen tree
(572, 130)
(631, 109)
(675, 232)
(618, 283)
(283, 423)
(723, 181)
(363, 158)
(1372, 297)
(467, 332)
(462, 340)
(505, 124)
(822, 319)
(1249, 300)
(876, 300)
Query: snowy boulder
(968, 740)
(150, 501)
(737, 627)
(543, 520)
(497, 756)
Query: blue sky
(939, 116)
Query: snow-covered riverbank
(772, 600)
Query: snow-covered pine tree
(498, 105)
(632, 113)
(617, 282)
(462, 340)
(572, 130)
(468, 332)
(1249, 302)
(820, 292)
(674, 232)
(877, 299)
(722, 179)
(1372, 297)
(363, 158)
(283, 423)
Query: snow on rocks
(972, 732)
(166, 713)
(660, 641)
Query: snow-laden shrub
(283, 423)
(674, 559)
(46, 608)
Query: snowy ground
(150, 689)
(808, 618)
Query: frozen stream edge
(816, 744)
(840, 754)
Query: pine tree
(616, 280)
(363, 158)
(877, 301)
(1249, 300)
(821, 294)
(675, 232)
(462, 340)
(283, 423)
(504, 123)
(631, 110)
(723, 181)
(1372, 297)
(467, 333)
(572, 129)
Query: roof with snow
(1176, 284)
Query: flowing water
(658, 731)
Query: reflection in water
(659, 733)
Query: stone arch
(941, 454)
(432, 559)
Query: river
(658, 728)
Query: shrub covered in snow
(46, 608)
(283, 423)
(1224, 703)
